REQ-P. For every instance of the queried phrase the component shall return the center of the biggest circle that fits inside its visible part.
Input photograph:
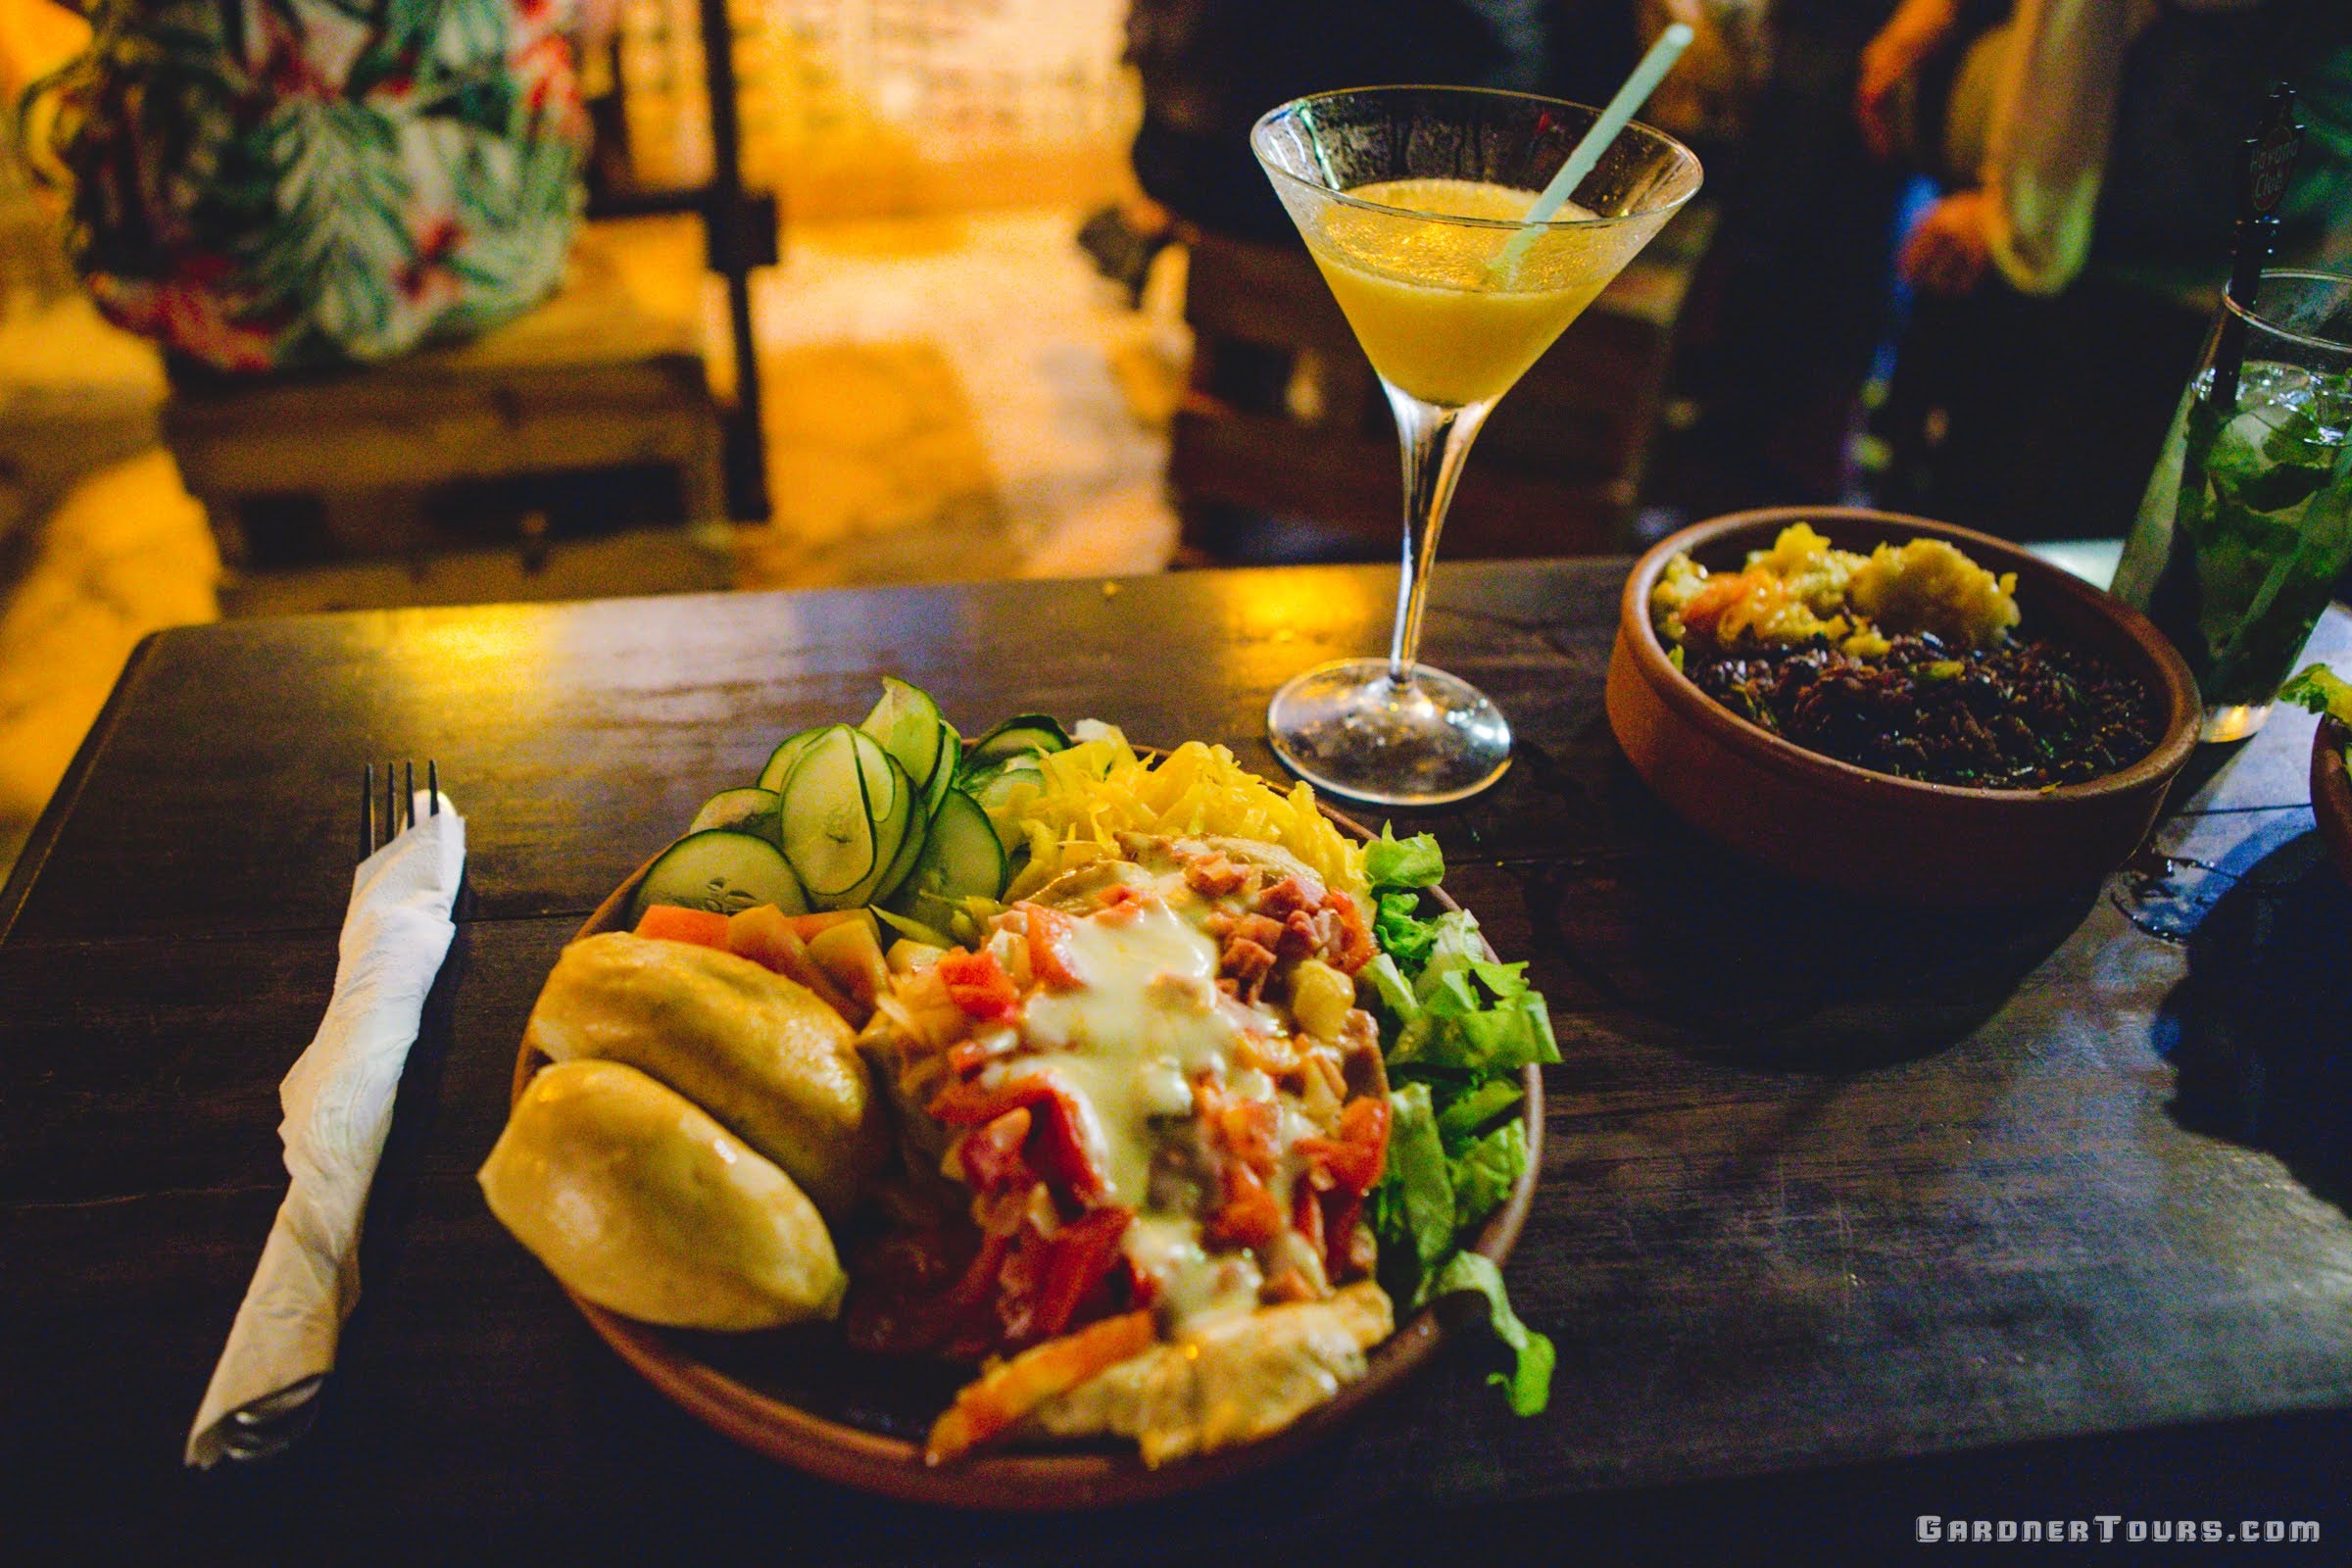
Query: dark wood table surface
(1847, 1216)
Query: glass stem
(1436, 441)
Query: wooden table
(1847, 1216)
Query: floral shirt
(267, 183)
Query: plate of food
(1894, 707)
(2326, 694)
(1033, 1122)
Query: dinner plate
(805, 1397)
(2331, 792)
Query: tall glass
(1408, 199)
(2248, 522)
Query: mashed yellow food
(1803, 588)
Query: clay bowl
(806, 1398)
(1872, 834)
(2331, 792)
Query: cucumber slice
(961, 858)
(743, 811)
(721, 871)
(943, 776)
(906, 723)
(1015, 737)
(780, 761)
(910, 845)
(841, 792)
(998, 790)
(893, 852)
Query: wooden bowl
(1872, 834)
(2331, 792)
(806, 1398)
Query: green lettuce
(1401, 932)
(1483, 1173)
(1465, 1112)
(1393, 863)
(1529, 1385)
(1461, 1028)
(1421, 1207)
(2321, 690)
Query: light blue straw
(1621, 109)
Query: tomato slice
(979, 985)
(1049, 935)
(1078, 1259)
(672, 923)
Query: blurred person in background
(313, 182)
(1789, 308)
(1210, 69)
(2067, 275)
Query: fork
(370, 839)
(269, 1424)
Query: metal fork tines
(399, 783)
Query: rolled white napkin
(338, 1107)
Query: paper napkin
(338, 1107)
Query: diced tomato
(1341, 1211)
(1306, 1213)
(990, 1154)
(1249, 1215)
(1355, 949)
(1049, 935)
(1076, 1262)
(978, 985)
(1352, 1162)
(1142, 1289)
(704, 928)
(1057, 1151)
(1118, 896)
(1358, 1154)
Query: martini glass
(1409, 200)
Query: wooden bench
(592, 384)
(1554, 472)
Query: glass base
(1346, 728)
(2234, 721)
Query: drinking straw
(1622, 108)
(2265, 164)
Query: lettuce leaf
(2321, 690)
(1403, 934)
(1456, 1032)
(1483, 1173)
(1463, 1115)
(1460, 1027)
(1393, 863)
(1395, 991)
(1529, 1385)
(1420, 1211)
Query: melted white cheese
(1128, 1042)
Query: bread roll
(756, 1051)
(642, 1204)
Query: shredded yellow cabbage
(1100, 788)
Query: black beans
(2020, 715)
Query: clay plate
(1872, 834)
(2331, 792)
(803, 1396)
